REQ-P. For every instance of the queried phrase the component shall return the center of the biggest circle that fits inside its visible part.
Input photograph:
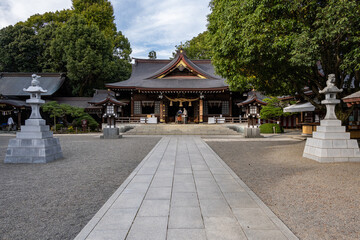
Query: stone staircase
(180, 129)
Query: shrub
(268, 128)
(92, 124)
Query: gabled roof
(253, 96)
(81, 102)
(103, 96)
(155, 75)
(12, 84)
(352, 99)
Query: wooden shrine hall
(161, 88)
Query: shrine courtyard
(57, 200)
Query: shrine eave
(252, 101)
(172, 90)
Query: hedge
(268, 128)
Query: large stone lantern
(35, 143)
(330, 141)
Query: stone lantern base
(331, 143)
(34, 144)
(111, 133)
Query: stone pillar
(330, 142)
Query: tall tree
(98, 12)
(198, 47)
(82, 41)
(84, 52)
(281, 47)
(19, 49)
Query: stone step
(181, 130)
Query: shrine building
(161, 87)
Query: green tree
(67, 112)
(19, 49)
(39, 21)
(198, 47)
(274, 108)
(97, 12)
(49, 42)
(281, 47)
(84, 53)
(152, 54)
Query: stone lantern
(330, 141)
(35, 143)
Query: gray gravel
(56, 200)
(316, 201)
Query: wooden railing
(141, 120)
(235, 120)
(129, 119)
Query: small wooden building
(250, 108)
(12, 96)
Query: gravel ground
(56, 200)
(316, 201)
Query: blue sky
(148, 24)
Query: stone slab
(35, 122)
(330, 123)
(189, 206)
(185, 217)
(331, 135)
(186, 234)
(332, 129)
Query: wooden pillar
(132, 106)
(230, 106)
(162, 111)
(201, 110)
(19, 118)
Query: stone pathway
(183, 190)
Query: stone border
(282, 227)
(84, 233)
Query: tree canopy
(19, 49)
(274, 108)
(281, 47)
(82, 41)
(198, 47)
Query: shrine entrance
(173, 107)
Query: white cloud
(148, 24)
(160, 25)
(12, 11)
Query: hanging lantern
(180, 104)
(189, 103)
(171, 103)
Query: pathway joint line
(207, 199)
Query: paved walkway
(183, 190)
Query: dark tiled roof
(100, 95)
(15, 103)
(103, 96)
(81, 102)
(144, 73)
(253, 96)
(12, 84)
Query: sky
(149, 25)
